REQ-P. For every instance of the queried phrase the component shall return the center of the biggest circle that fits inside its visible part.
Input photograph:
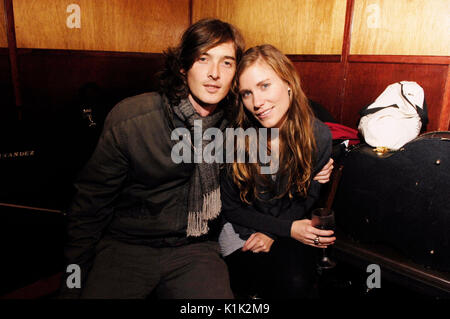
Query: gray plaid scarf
(204, 188)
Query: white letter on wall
(373, 20)
(73, 20)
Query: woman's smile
(265, 113)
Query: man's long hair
(197, 39)
(296, 136)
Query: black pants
(286, 271)
(122, 271)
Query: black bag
(401, 198)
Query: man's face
(209, 79)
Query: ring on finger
(317, 241)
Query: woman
(268, 214)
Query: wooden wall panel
(51, 79)
(3, 39)
(322, 82)
(105, 25)
(366, 81)
(295, 27)
(6, 88)
(401, 27)
(444, 121)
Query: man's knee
(203, 275)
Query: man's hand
(324, 175)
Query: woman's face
(264, 94)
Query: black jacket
(131, 189)
(274, 217)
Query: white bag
(396, 116)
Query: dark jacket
(268, 215)
(131, 189)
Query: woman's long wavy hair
(198, 38)
(297, 143)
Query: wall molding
(314, 57)
(23, 52)
(410, 59)
(12, 49)
(444, 121)
(397, 59)
(345, 53)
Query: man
(139, 223)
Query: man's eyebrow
(225, 57)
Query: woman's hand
(324, 175)
(258, 242)
(302, 231)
